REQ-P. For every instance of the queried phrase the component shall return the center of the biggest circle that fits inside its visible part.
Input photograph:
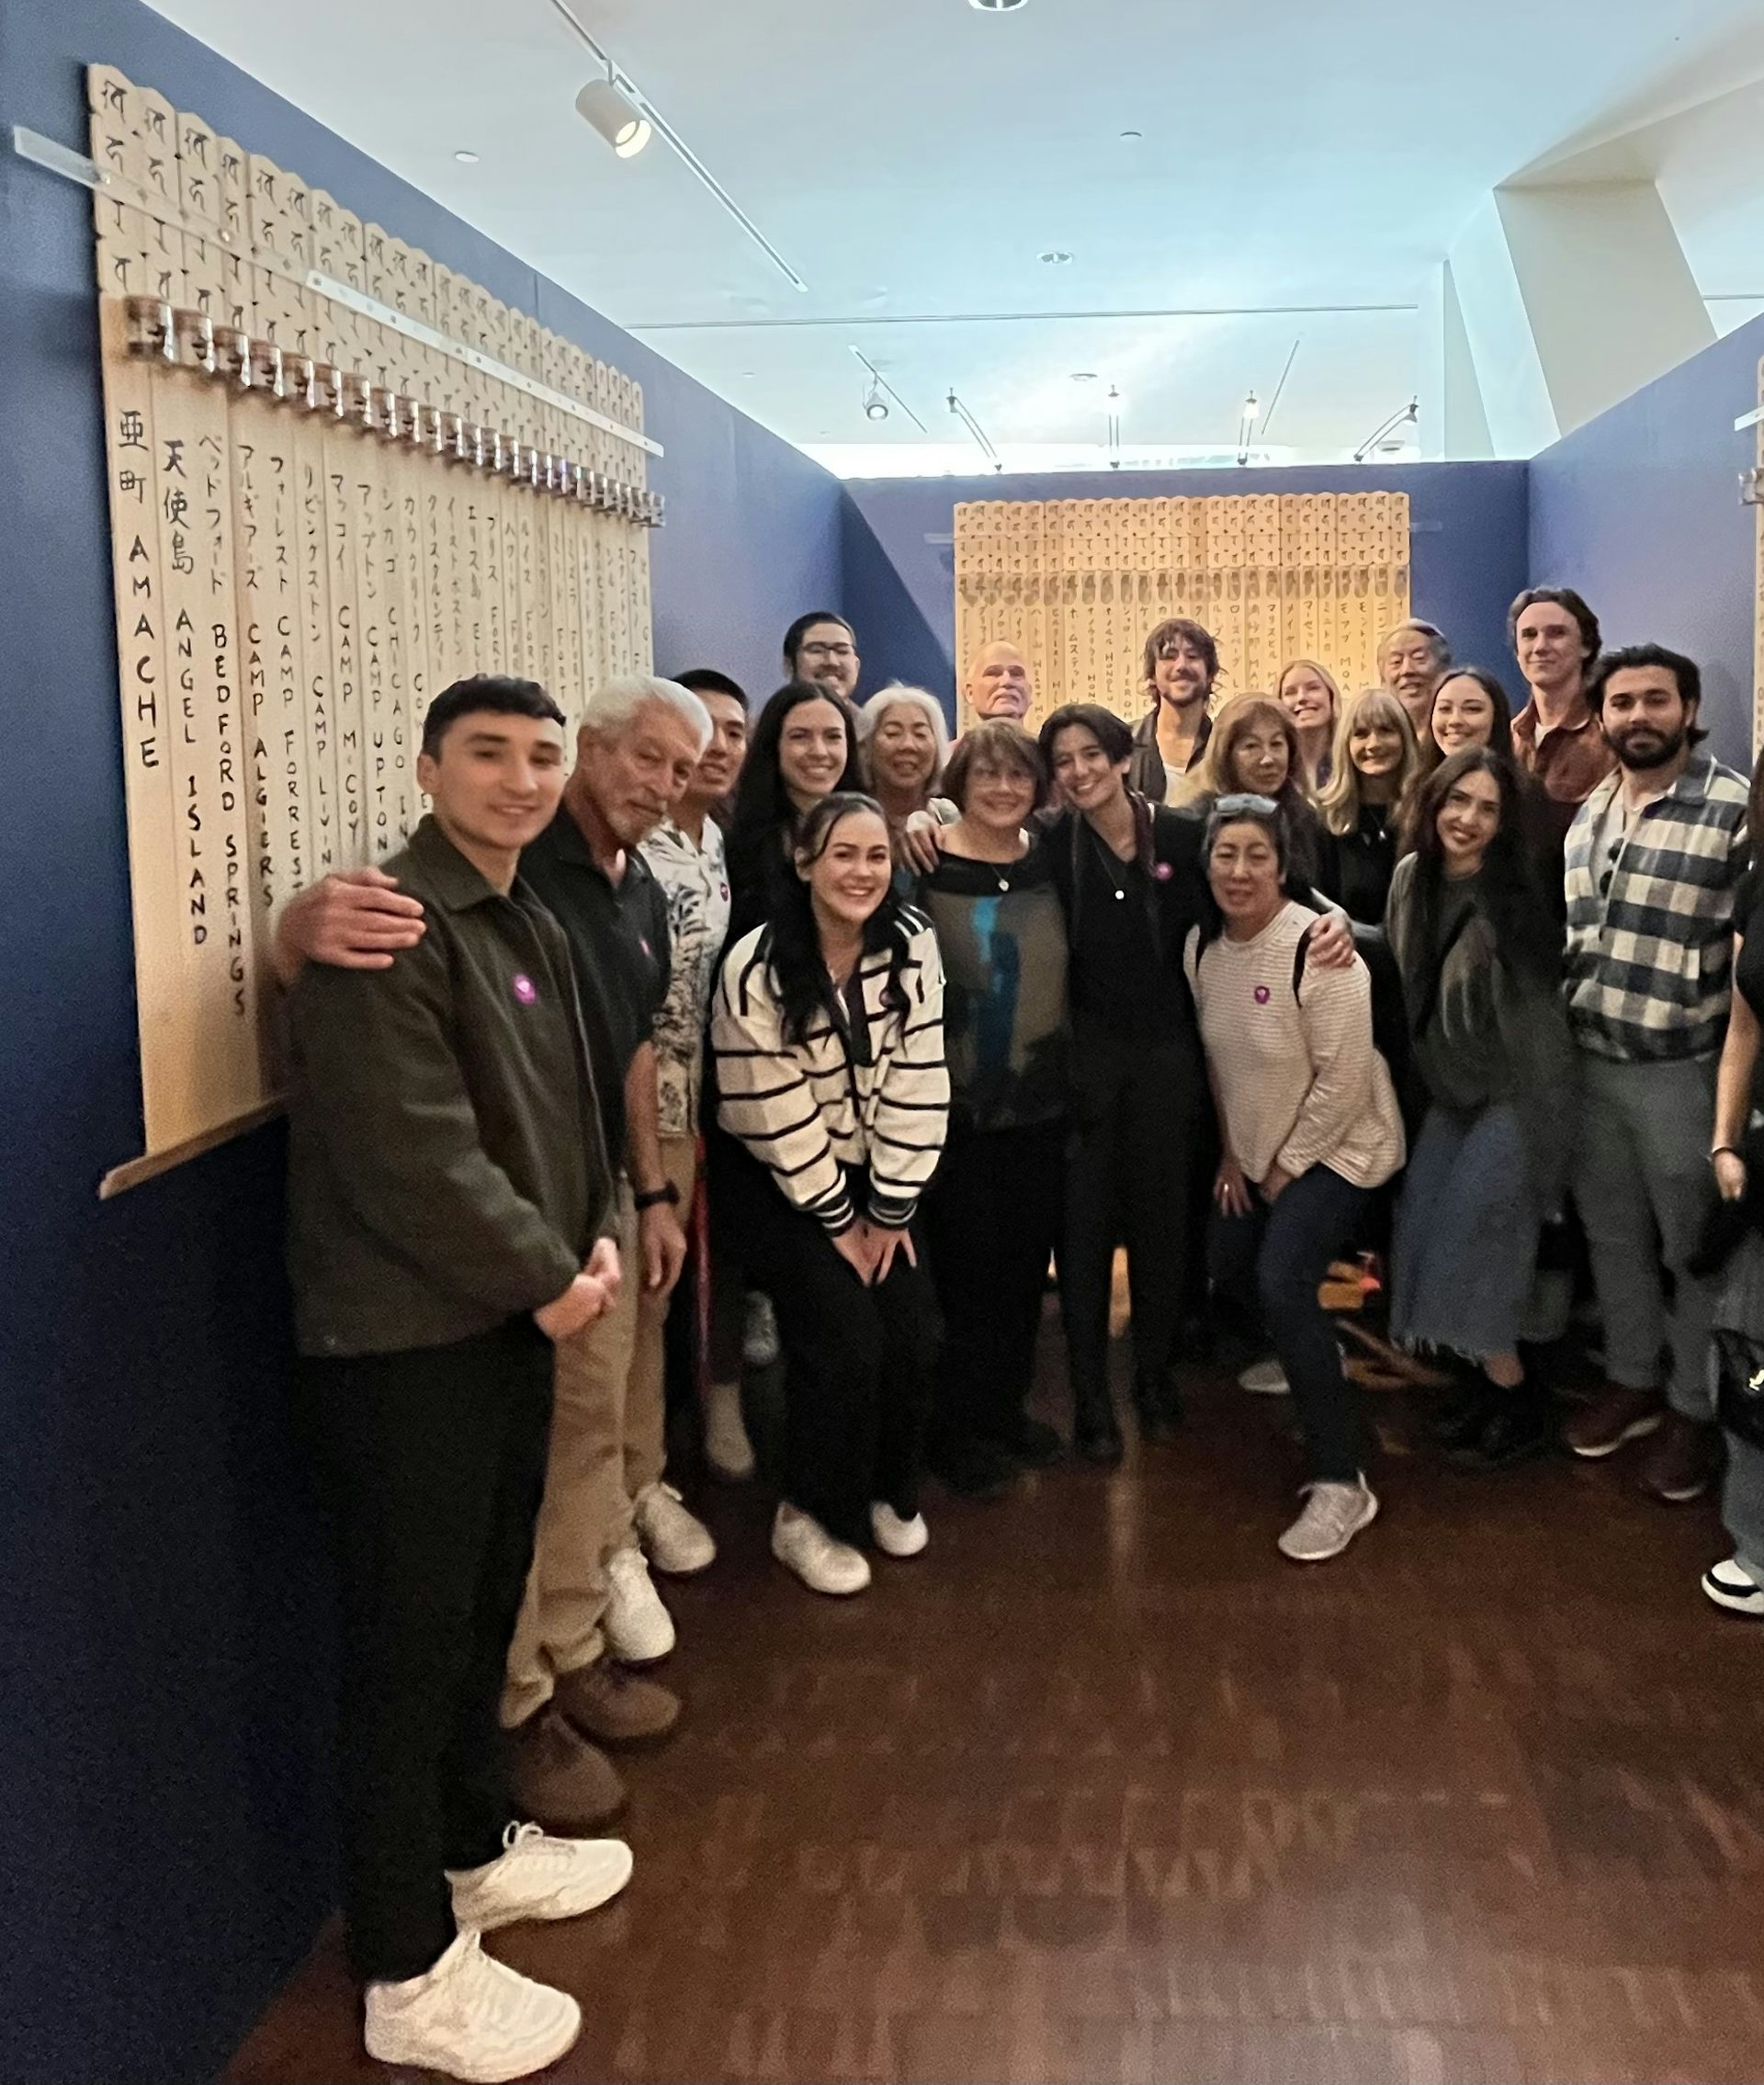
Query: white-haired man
(591, 1611)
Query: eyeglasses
(1241, 806)
(1612, 858)
(827, 652)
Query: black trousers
(859, 1363)
(991, 1218)
(433, 1462)
(1142, 1111)
(1273, 1260)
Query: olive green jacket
(447, 1169)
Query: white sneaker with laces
(1333, 1515)
(824, 1565)
(537, 1876)
(759, 1333)
(1264, 1379)
(470, 2017)
(728, 1449)
(1731, 1585)
(674, 1539)
(638, 1627)
(895, 1537)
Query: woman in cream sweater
(1309, 1126)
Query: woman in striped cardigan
(826, 1035)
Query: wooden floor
(1102, 1788)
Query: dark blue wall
(1469, 549)
(163, 1800)
(1639, 510)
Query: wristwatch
(654, 1196)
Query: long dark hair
(791, 944)
(765, 819)
(1528, 931)
(1501, 733)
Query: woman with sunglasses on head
(1480, 952)
(1309, 1126)
(1376, 765)
(992, 1212)
(802, 748)
(1129, 878)
(1306, 691)
(826, 1035)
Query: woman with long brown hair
(1254, 750)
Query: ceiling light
(1083, 376)
(1132, 137)
(998, 6)
(875, 407)
(466, 158)
(600, 104)
(1055, 257)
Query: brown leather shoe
(607, 1702)
(1616, 1415)
(1683, 1459)
(560, 1780)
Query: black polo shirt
(618, 943)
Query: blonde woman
(1254, 750)
(1306, 691)
(1377, 766)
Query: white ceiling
(1300, 169)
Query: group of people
(862, 1032)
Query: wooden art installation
(1077, 585)
(340, 477)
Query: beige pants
(587, 1512)
(646, 1399)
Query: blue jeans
(1273, 1260)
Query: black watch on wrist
(655, 1196)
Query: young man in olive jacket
(449, 1188)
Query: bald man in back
(998, 684)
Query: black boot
(1095, 1434)
(1157, 1403)
(1519, 1425)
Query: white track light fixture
(627, 118)
(875, 407)
(875, 399)
(623, 127)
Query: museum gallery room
(1035, 729)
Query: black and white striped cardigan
(808, 1110)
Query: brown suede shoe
(607, 1702)
(1683, 1459)
(1616, 1416)
(560, 1780)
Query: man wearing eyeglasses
(822, 647)
(1653, 859)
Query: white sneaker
(1333, 1515)
(470, 2017)
(895, 1537)
(728, 1449)
(759, 1332)
(638, 1627)
(1264, 1379)
(535, 1876)
(1729, 1584)
(674, 1539)
(801, 1543)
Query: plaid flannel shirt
(1651, 933)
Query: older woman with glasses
(1308, 1125)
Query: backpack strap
(1300, 955)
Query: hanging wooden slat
(323, 512)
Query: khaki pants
(646, 1398)
(586, 1513)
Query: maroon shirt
(1569, 760)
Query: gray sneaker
(1333, 1515)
